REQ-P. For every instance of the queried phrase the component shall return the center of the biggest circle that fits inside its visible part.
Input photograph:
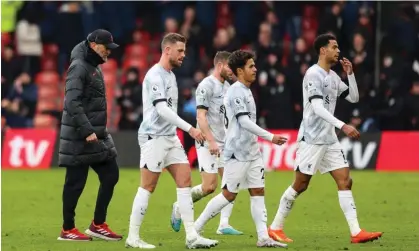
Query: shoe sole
(274, 246)
(93, 234)
(203, 246)
(129, 246)
(172, 221)
(221, 233)
(66, 239)
(281, 240)
(369, 240)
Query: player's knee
(229, 195)
(149, 187)
(300, 187)
(257, 191)
(345, 184)
(184, 182)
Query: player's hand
(278, 139)
(346, 65)
(350, 131)
(197, 135)
(213, 148)
(92, 137)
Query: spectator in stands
(11, 67)
(331, 20)
(171, 25)
(276, 103)
(222, 42)
(412, 106)
(130, 101)
(266, 45)
(362, 123)
(69, 31)
(362, 60)
(19, 106)
(9, 10)
(28, 42)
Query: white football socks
(184, 199)
(139, 208)
(197, 193)
(259, 214)
(347, 204)
(213, 208)
(225, 215)
(285, 205)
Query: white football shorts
(243, 175)
(323, 158)
(158, 152)
(207, 162)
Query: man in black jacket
(84, 139)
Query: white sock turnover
(225, 215)
(260, 217)
(347, 204)
(139, 209)
(284, 208)
(213, 208)
(186, 210)
(197, 193)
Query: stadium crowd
(37, 38)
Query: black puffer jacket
(84, 111)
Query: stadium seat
(50, 50)
(5, 38)
(48, 64)
(47, 78)
(110, 79)
(138, 63)
(48, 92)
(49, 104)
(44, 121)
(110, 66)
(136, 51)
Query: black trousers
(75, 180)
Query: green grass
(31, 212)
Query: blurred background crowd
(380, 38)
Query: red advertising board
(399, 151)
(28, 148)
(386, 151)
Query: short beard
(174, 63)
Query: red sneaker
(365, 236)
(73, 235)
(102, 231)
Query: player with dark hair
(318, 146)
(212, 119)
(244, 167)
(160, 146)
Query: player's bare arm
(201, 118)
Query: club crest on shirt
(203, 91)
(155, 88)
(238, 101)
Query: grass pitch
(388, 202)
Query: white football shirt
(210, 96)
(239, 142)
(328, 86)
(158, 85)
